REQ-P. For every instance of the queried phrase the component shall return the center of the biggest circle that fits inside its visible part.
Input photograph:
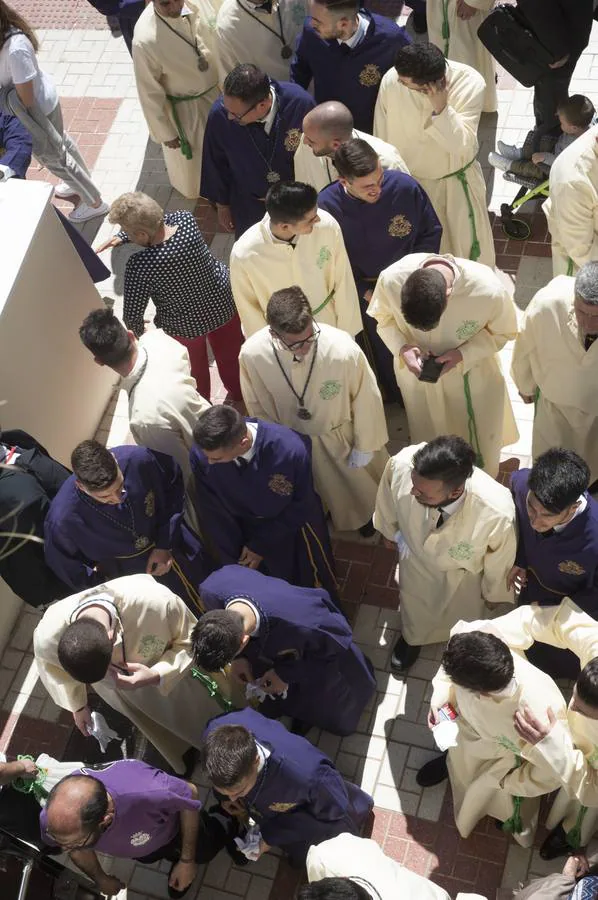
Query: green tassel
(26, 784)
(574, 836)
(213, 689)
(514, 825)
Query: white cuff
(359, 458)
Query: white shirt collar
(186, 11)
(268, 121)
(583, 502)
(360, 31)
(252, 427)
(129, 381)
(253, 609)
(449, 508)
(263, 754)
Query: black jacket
(562, 26)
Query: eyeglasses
(240, 118)
(87, 842)
(297, 345)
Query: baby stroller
(514, 228)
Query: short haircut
(558, 478)
(288, 202)
(248, 83)
(423, 63)
(578, 110)
(135, 211)
(92, 812)
(288, 311)
(424, 298)
(94, 465)
(447, 458)
(106, 337)
(587, 683)
(216, 639)
(341, 8)
(478, 661)
(586, 283)
(85, 650)
(218, 427)
(228, 755)
(333, 889)
(356, 159)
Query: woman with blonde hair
(28, 93)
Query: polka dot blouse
(189, 287)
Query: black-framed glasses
(240, 118)
(297, 345)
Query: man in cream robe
(572, 205)
(174, 57)
(489, 767)
(347, 416)
(440, 151)
(349, 857)
(261, 263)
(152, 627)
(460, 21)
(454, 570)
(553, 367)
(248, 32)
(325, 128)
(470, 399)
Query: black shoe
(367, 530)
(403, 656)
(298, 726)
(433, 772)
(556, 844)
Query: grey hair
(586, 283)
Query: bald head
(326, 127)
(77, 807)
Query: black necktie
(440, 516)
(345, 49)
(241, 463)
(589, 340)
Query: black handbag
(509, 37)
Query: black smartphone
(431, 370)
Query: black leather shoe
(367, 530)
(555, 844)
(403, 656)
(433, 772)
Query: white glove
(5, 173)
(254, 690)
(359, 458)
(250, 844)
(402, 546)
(101, 731)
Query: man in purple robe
(255, 498)
(121, 513)
(557, 550)
(289, 787)
(384, 216)
(240, 163)
(291, 642)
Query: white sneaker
(499, 162)
(64, 190)
(509, 150)
(83, 212)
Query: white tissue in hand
(254, 691)
(359, 458)
(101, 731)
(250, 844)
(445, 735)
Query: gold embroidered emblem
(150, 504)
(281, 807)
(399, 226)
(280, 484)
(291, 139)
(370, 75)
(570, 567)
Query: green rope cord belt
(26, 784)
(474, 250)
(471, 424)
(319, 309)
(174, 102)
(569, 266)
(213, 690)
(574, 836)
(536, 401)
(446, 31)
(514, 825)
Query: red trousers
(226, 344)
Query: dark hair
(106, 337)
(93, 465)
(423, 63)
(85, 650)
(290, 201)
(216, 639)
(578, 110)
(12, 21)
(220, 426)
(355, 159)
(341, 7)
(557, 478)
(587, 683)
(423, 298)
(248, 83)
(92, 812)
(288, 311)
(447, 458)
(333, 889)
(478, 661)
(228, 755)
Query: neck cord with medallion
(141, 541)
(286, 52)
(202, 63)
(271, 177)
(302, 412)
